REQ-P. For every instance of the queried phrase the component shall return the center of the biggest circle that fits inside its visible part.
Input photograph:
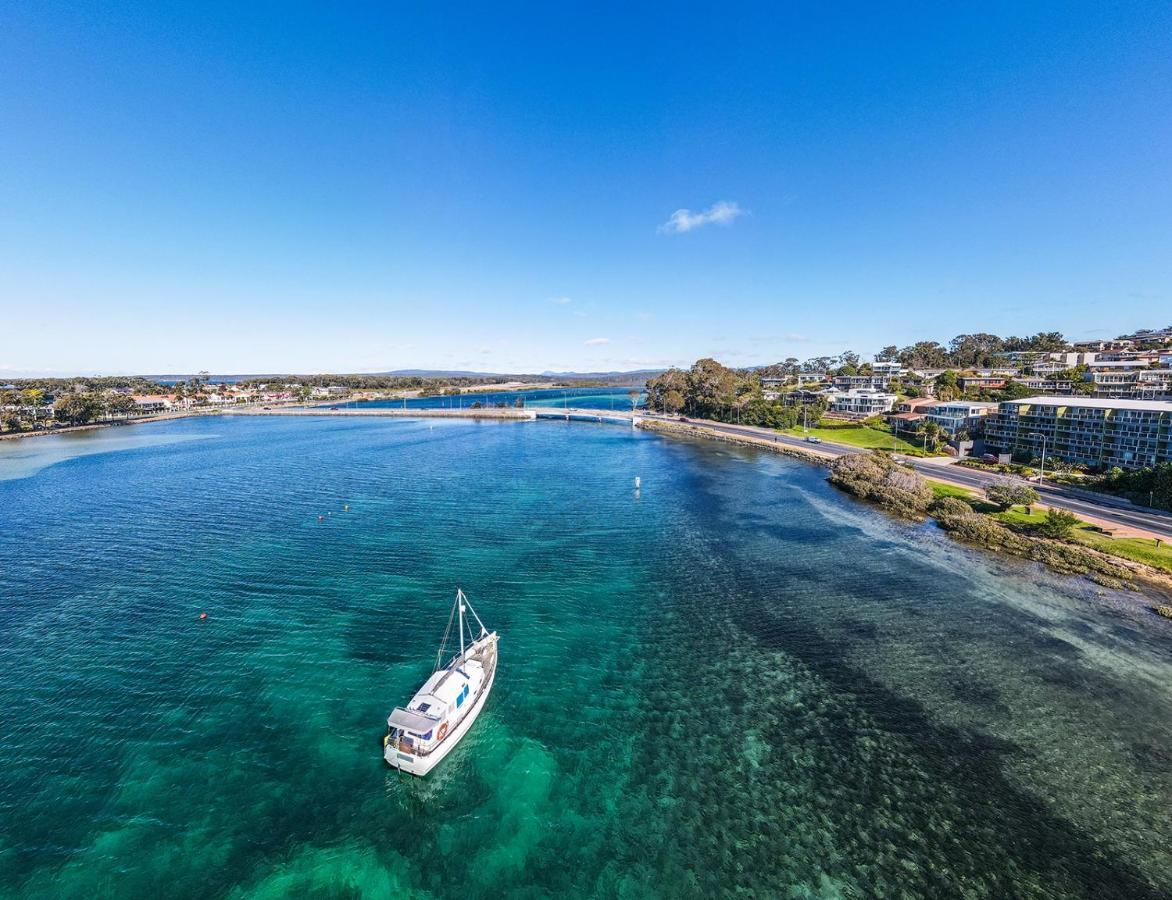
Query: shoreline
(669, 427)
(112, 423)
(1135, 571)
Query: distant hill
(633, 377)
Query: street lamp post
(1042, 470)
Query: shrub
(1008, 495)
(1058, 524)
(875, 477)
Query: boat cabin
(436, 708)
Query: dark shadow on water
(1001, 821)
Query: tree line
(709, 390)
(965, 351)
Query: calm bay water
(580, 398)
(734, 679)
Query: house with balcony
(981, 382)
(152, 403)
(862, 382)
(958, 415)
(1043, 385)
(862, 403)
(889, 368)
(909, 414)
(1092, 431)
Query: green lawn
(1141, 550)
(940, 489)
(857, 435)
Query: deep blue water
(581, 398)
(734, 679)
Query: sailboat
(420, 735)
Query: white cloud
(721, 213)
(561, 301)
(596, 342)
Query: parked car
(683, 418)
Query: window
(459, 700)
(427, 737)
(424, 707)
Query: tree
(972, 351)
(673, 401)
(1058, 524)
(924, 355)
(710, 386)
(1014, 390)
(121, 405)
(77, 409)
(1007, 496)
(672, 381)
(930, 432)
(633, 396)
(818, 364)
(947, 385)
(33, 398)
(889, 353)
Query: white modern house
(862, 403)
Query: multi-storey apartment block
(1091, 431)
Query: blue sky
(359, 187)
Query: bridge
(531, 413)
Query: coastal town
(662, 452)
(1087, 406)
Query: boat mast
(460, 600)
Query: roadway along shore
(1114, 513)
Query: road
(1111, 510)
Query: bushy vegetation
(876, 477)
(709, 390)
(1149, 485)
(960, 520)
(1057, 524)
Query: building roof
(1160, 406)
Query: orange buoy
(203, 615)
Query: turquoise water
(578, 398)
(733, 680)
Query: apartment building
(1096, 432)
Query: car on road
(683, 419)
(810, 439)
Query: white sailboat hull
(422, 764)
